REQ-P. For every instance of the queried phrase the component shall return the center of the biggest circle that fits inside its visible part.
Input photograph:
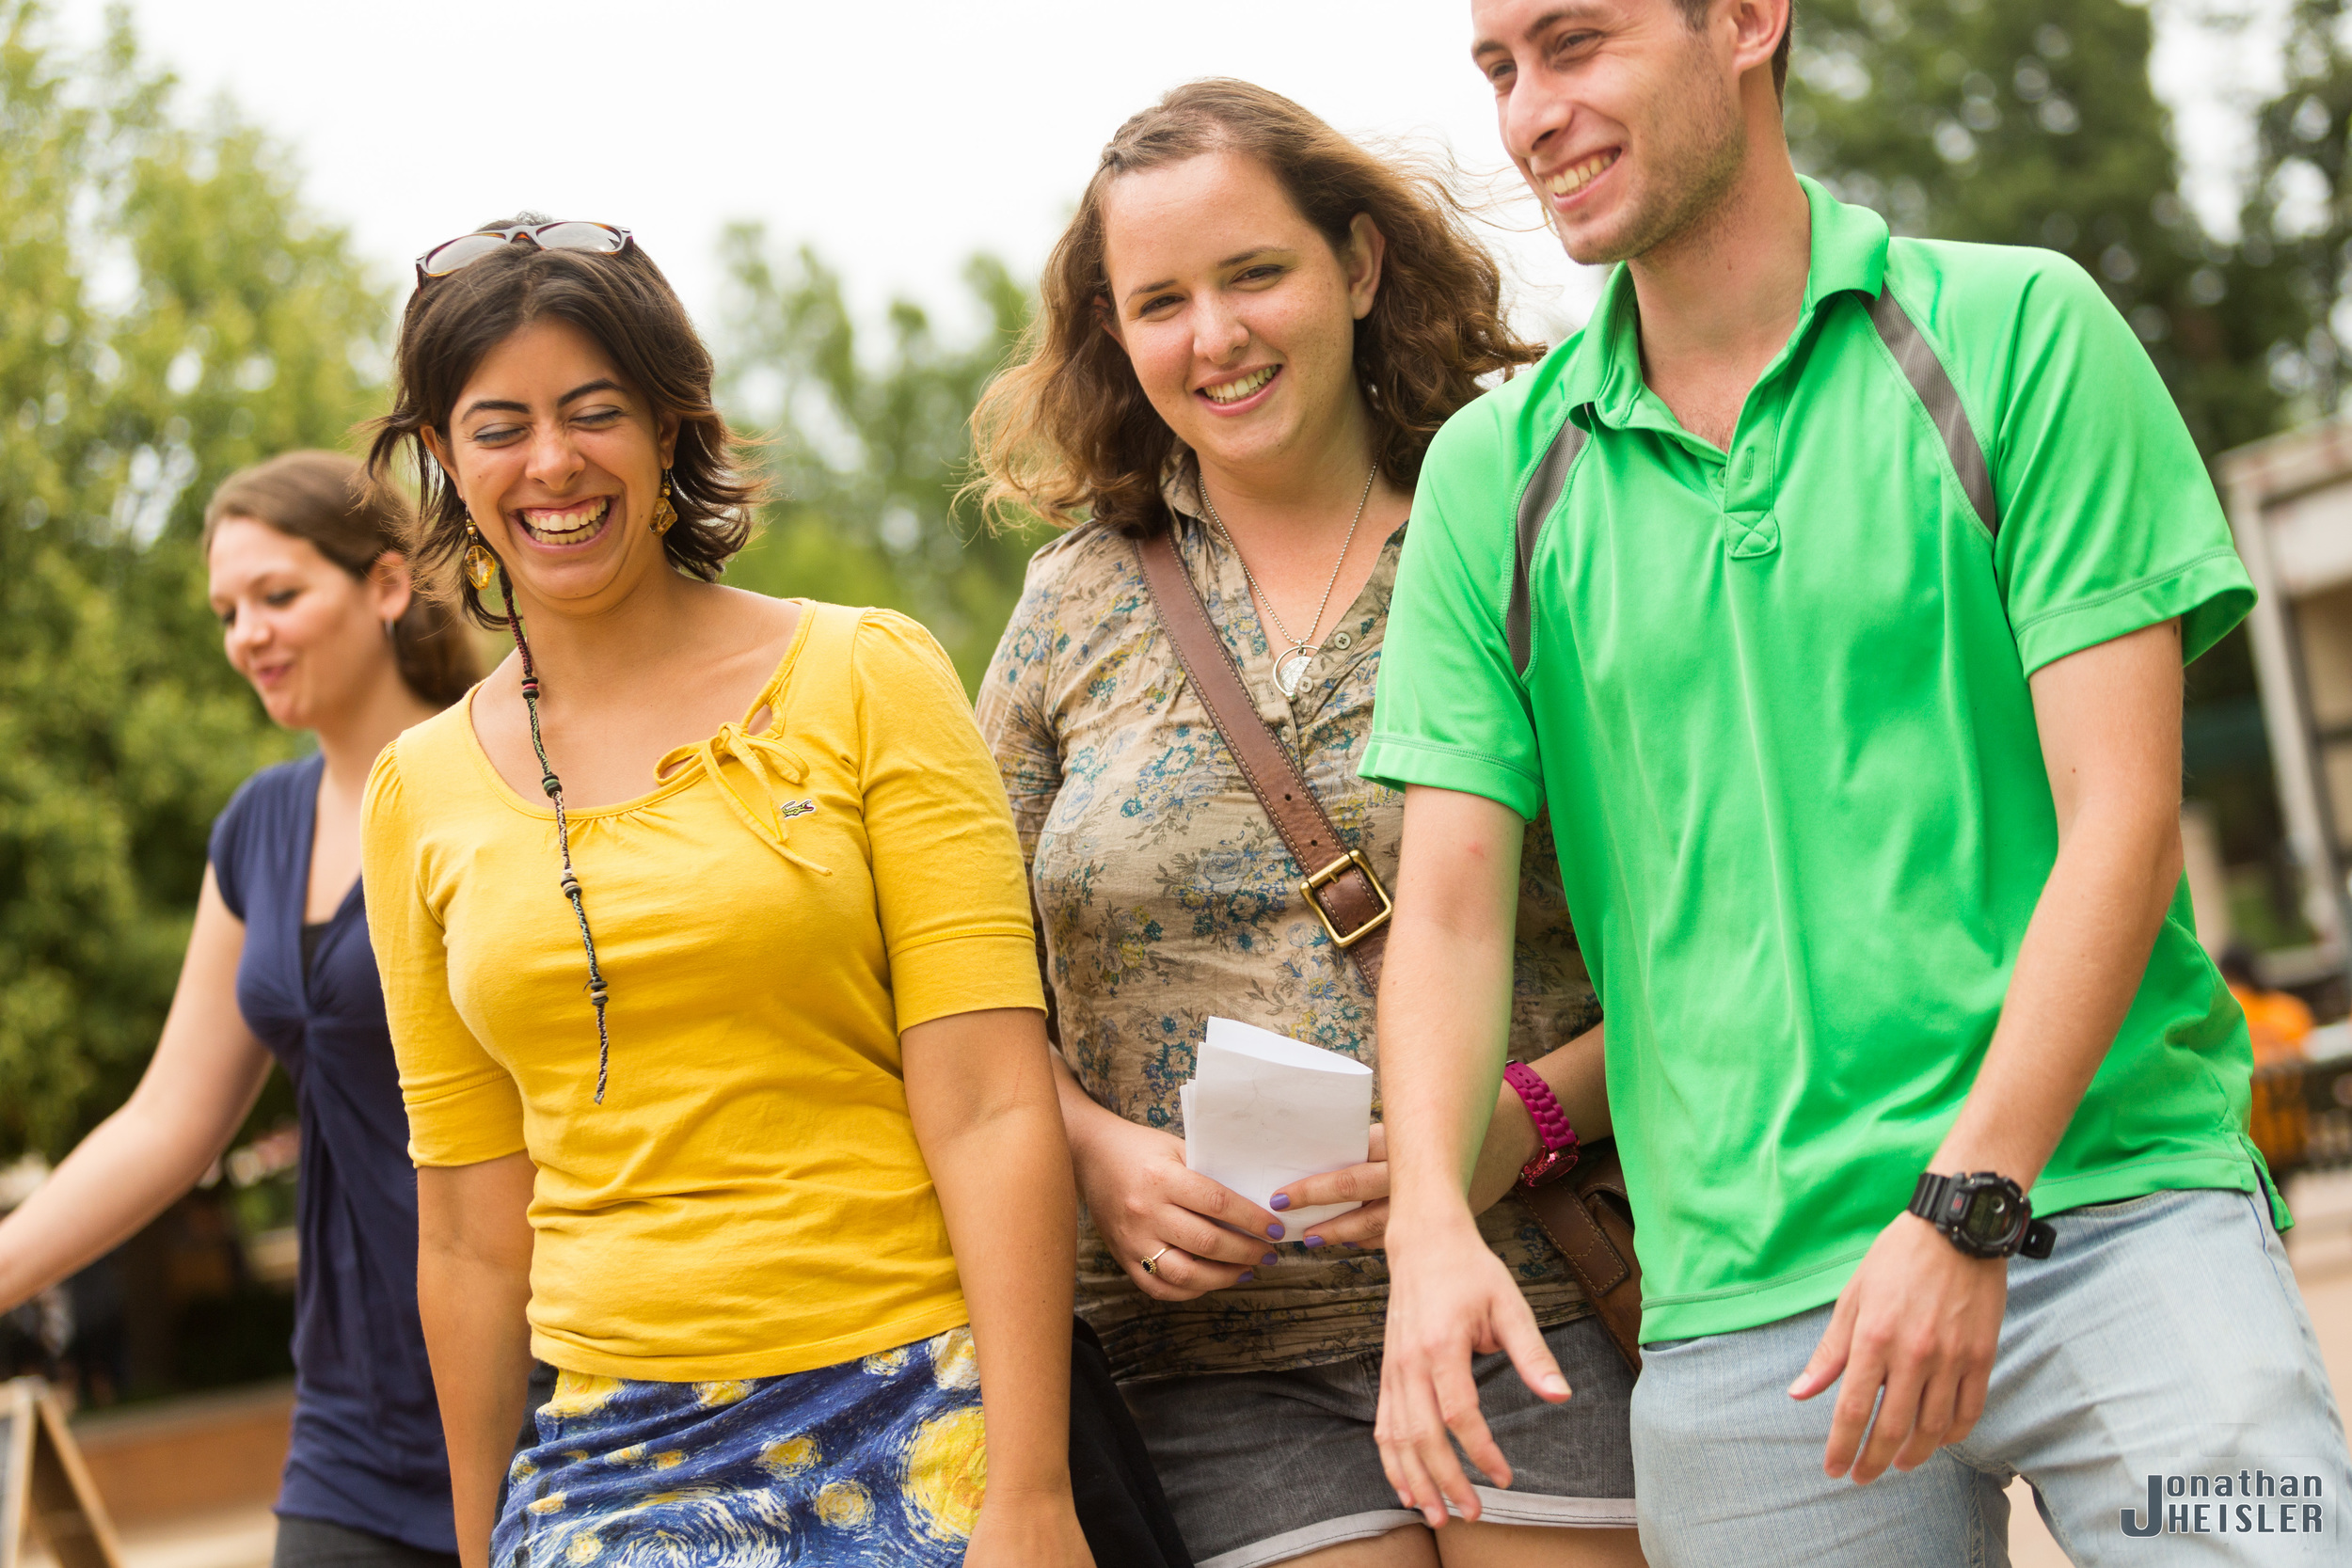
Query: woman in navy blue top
(318, 612)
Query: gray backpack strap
(1543, 492)
(1929, 381)
(1941, 399)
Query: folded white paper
(1264, 1110)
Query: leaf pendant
(1290, 673)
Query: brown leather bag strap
(1589, 1220)
(1585, 1214)
(1336, 883)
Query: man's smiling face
(1622, 117)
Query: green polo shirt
(1776, 700)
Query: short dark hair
(1694, 13)
(324, 498)
(628, 308)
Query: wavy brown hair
(324, 500)
(1066, 432)
(629, 310)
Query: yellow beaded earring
(481, 568)
(664, 515)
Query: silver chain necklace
(1290, 670)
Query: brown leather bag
(1584, 1212)
(1589, 1218)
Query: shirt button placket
(1750, 527)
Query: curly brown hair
(1066, 432)
(629, 310)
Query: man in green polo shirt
(1832, 593)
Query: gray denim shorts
(1262, 1468)
(2164, 1338)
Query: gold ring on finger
(1151, 1264)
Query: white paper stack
(1264, 1110)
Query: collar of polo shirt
(1848, 254)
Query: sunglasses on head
(562, 234)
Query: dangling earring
(481, 568)
(664, 515)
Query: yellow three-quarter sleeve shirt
(748, 1199)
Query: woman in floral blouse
(1249, 333)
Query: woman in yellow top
(711, 976)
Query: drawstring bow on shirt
(774, 767)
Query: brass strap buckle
(1332, 873)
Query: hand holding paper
(1264, 1110)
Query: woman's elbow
(476, 1217)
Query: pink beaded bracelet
(1558, 1155)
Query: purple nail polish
(1275, 1230)
(1313, 1240)
(1270, 1257)
(1281, 1202)
(1247, 1275)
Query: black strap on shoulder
(1941, 399)
(1544, 489)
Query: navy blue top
(367, 1447)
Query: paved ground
(237, 1538)
(2321, 1245)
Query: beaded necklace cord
(597, 992)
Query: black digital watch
(1983, 1213)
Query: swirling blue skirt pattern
(879, 1461)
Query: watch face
(1991, 1216)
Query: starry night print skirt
(878, 1461)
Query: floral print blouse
(1166, 897)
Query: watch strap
(1929, 1197)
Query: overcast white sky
(897, 137)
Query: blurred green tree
(1978, 119)
(169, 312)
(2299, 206)
(867, 455)
(2007, 123)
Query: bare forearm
(198, 1086)
(1081, 1113)
(473, 1288)
(1004, 1184)
(982, 1090)
(1575, 1075)
(2109, 719)
(479, 1344)
(1444, 1027)
(1445, 1000)
(2080, 965)
(124, 1173)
